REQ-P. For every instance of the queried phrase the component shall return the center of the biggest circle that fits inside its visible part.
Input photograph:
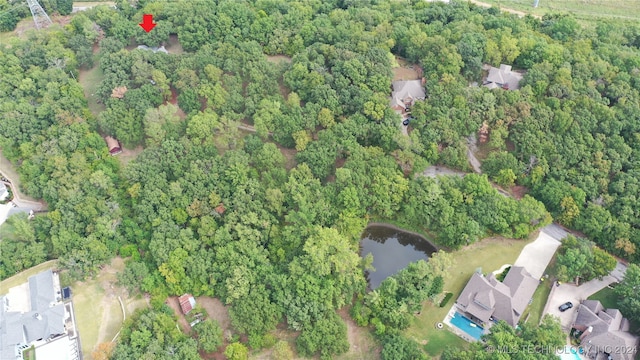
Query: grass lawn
(88, 309)
(582, 9)
(534, 311)
(489, 254)
(89, 80)
(22, 277)
(97, 309)
(606, 297)
(442, 339)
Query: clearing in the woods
(97, 308)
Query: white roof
(55, 350)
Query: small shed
(113, 145)
(187, 303)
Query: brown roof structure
(604, 329)
(487, 299)
(113, 145)
(187, 303)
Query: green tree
(627, 292)
(398, 347)
(327, 336)
(209, 335)
(236, 351)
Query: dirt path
(511, 11)
(175, 305)
(361, 343)
(472, 149)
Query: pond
(392, 250)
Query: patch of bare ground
(281, 333)
(361, 342)
(290, 157)
(174, 101)
(173, 45)
(278, 58)
(518, 191)
(129, 154)
(406, 70)
(217, 311)
(175, 305)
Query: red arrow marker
(147, 22)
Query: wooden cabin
(113, 145)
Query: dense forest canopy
(208, 209)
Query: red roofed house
(113, 145)
(187, 303)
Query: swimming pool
(569, 353)
(467, 326)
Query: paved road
(569, 292)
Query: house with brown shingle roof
(601, 329)
(486, 299)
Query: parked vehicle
(566, 306)
(405, 122)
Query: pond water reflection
(392, 250)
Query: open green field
(582, 9)
(22, 277)
(489, 254)
(442, 339)
(97, 309)
(89, 80)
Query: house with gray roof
(503, 77)
(38, 322)
(485, 299)
(601, 329)
(405, 93)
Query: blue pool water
(569, 354)
(464, 324)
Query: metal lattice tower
(40, 17)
